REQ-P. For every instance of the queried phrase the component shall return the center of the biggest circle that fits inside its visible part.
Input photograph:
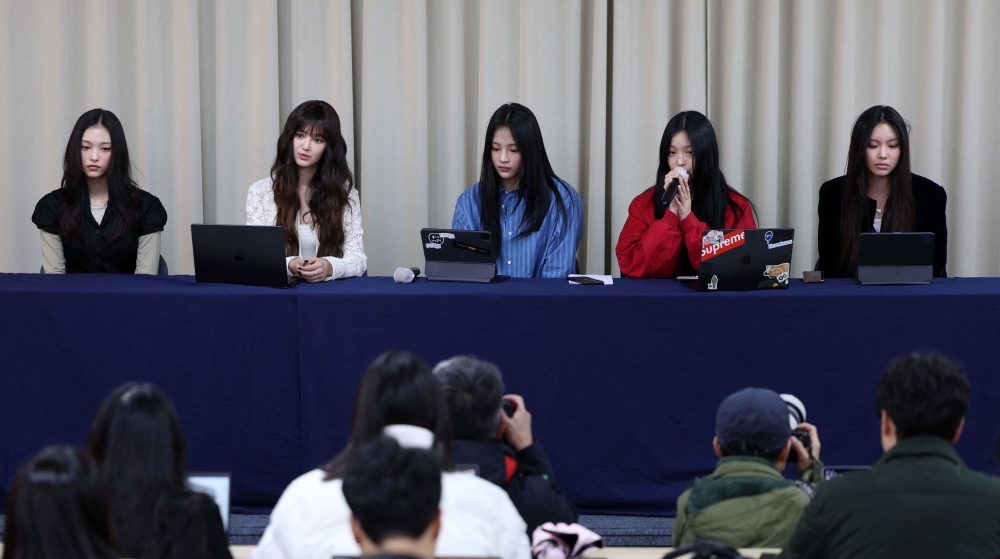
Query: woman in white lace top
(311, 194)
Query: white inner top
(308, 241)
(877, 224)
(98, 212)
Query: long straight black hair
(138, 443)
(537, 182)
(331, 184)
(123, 195)
(398, 388)
(58, 508)
(900, 209)
(710, 194)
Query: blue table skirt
(622, 381)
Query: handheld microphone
(671, 190)
(405, 275)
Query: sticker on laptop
(714, 284)
(472, 248)
(714, 243)
(776, 274)
(434, 240)
(767, 239)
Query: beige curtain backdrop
(203, 88)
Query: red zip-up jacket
(655, 248)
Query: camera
(796, 415)
(509, 407)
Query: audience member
(138, 443)
(58, 508)
(500, 446)
(394, 493)
(398, 397)
(919, 500)
(746, 502)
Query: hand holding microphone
(678, 192)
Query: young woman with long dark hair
(534, 217)
(879, 194)
(311, 194)
(137, 441)
(662, 238)
(58, 509)
(99, 220)
(399, 397)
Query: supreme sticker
(721, 243)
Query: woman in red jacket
(662, 238)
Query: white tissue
(682, 172)
(403, 275)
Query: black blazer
(95, 254)
(930, 201)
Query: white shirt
(312, 519)
(261, 210)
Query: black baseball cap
(755, 416)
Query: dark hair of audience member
(123, 194)
(536, 189)
(742, 448)
(473, 390)
(392, 491)
(58, 508)
(711, 195)
(139, 446)
(397, 389)
(900, 208)
(924, 394)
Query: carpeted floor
(618, 531)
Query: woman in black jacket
(878, 194)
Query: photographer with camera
(492, 434)
(746, 501)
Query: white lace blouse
(261, 210)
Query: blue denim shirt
(549, 252)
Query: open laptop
(216, 486)
(895, 258)
(743, 260)
(240, 254)
(454, 255)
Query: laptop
(454, 255)
(895, 258)
(743, 260)
(240, 254)
(216, 486)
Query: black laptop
(240, 254)
(454, 255)
(744, 260)
(895, 258)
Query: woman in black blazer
(878, 194)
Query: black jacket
(919, 500)
(95, 254)
(530, 482)
(929, 200)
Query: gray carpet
(643, 531)
(618, 531)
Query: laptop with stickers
(455, 255)
(744, 260)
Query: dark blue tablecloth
(622, 381)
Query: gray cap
(755, 416)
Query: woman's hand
(683, 199)
(667, 179)
(315, 270)
(295, 266)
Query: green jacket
(745, 502)
(919, 500)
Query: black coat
(531, 486)
(929, 201)
(95, 254)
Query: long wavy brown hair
(900, 210)
(330, 186)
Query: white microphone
(405, 275)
